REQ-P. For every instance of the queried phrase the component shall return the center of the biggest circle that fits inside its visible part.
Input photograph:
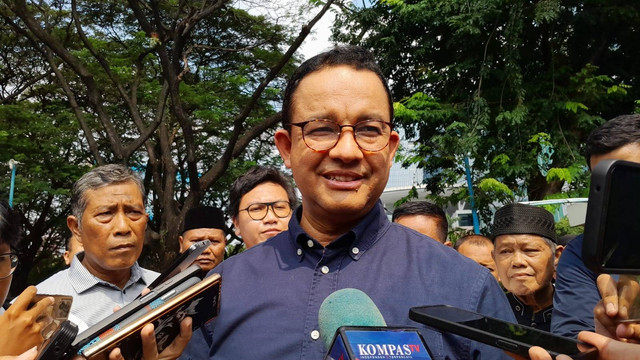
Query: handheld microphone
(352, 327)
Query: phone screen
(621, 245)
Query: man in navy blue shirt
(339, 142)
(576, 291)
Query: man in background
(260, 204)
(576, 289)
(424, 217)
(525, 254)
(479, 249)
(72, 247)
(205, 223)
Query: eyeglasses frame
(269, 205)
(302, 124)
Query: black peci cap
(523, 219)
(206, 217)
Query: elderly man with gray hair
(109, 220)
(526, 254)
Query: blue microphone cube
(373, 342)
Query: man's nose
(347, 149)
(121, 224)
(517, 259)
(271, 216)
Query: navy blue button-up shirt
(271, 293)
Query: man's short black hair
(615, 133)
(351, 55)
(424, 208)
(474, 239)
(10, 230)
(255, 176)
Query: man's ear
(283, 143)
(394, 142)
(236, 228)
(72, 224)
(183, 245)
(448, 243)
(559, 250)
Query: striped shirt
(94, 298)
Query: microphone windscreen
(347, 307)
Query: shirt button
(310, 243)
(355, 251)
(315, 334)
(517, 307)
(299, 252)
(325, 269)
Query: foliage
(514, 85)
(185, 93)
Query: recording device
(183, 261)
(514, 338)
(200, 302)
(612, 229)
(57, 344)
(55, 314)
(352, 327)
(163, 291)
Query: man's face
(6, 282)
(112, 228)
(524, 262)
(341, 184)
(629, 152)
(482, 254)
(426, 225)
(214, 254)
(252, 231)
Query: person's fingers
(609, 293)
(609, 349)
(604, 324)
(538, 353)
(116, 308)
(628, 289)
(629, 332)
(27, 355)
(116, 354)
(149, 347)
(145, 291)
(180, 342)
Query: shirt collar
(82, 280)
(358, 240)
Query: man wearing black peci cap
(205, 223)
(526, 254)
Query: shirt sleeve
(576, 293)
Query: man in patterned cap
(205, 223)
(526, 254)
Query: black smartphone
(98, 330)
(511, 337)
(58, 343)
(612, 224)
(183, 261)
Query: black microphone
(352, 327)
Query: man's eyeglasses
(8, 264)
(323, 135)
(259, 211)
